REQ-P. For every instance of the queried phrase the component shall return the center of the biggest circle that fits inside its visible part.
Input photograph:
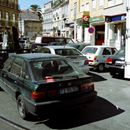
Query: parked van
(53, 40)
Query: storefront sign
(97, 19)
(115, 18)
(85, 18)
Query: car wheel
(22, 107)
(101, 67)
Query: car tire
(101, 67)
(22, 107)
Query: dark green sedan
(41, 83)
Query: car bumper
(57, 105)
(116, 69)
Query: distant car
(116, 63)
(79, 46)
(70, 53)
(97, 55)
(41, 83)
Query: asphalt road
(110, 111)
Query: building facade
(8, 21)
(29, 24)
(48, 19)
(115, 23)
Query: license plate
(68, 90)
(119, 62)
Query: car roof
(60, 47)
(99, 46)
(32, 56)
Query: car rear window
(41, 69)
(91, 50)
(67, 52)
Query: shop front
(98, 37)
(115, 30)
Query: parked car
(36, 92)
(70, 53)
(97, 55)
(79, 46)
(116, 63)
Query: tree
(37, 9)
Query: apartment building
(60, 17)
(79, 19)
(48, 19)
(8, 21)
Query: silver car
(70, 53)
(97, 55)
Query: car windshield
(67, 52)
(91, 50)
(55, 68)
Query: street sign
(85, 18)
(91, 30)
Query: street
(110, 111)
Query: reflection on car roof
(60, 47)
(31, 56)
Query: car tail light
(42, 95)
(87, 86)
(86, 62)
(109, 60)
(95, 58)
(38, 95)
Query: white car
(70, 53)
(97, 55)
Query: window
(110, 3)
(67, 52)
(14, 18)
(114, 50)
(16, 68)
(0, 15)
(7, 16)
(8, 63)
(44, 50)
(94, 3)
(101, 2)
(75, 10)
(41, 69)
(106, 51)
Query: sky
(25, 4)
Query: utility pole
(127, 45)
